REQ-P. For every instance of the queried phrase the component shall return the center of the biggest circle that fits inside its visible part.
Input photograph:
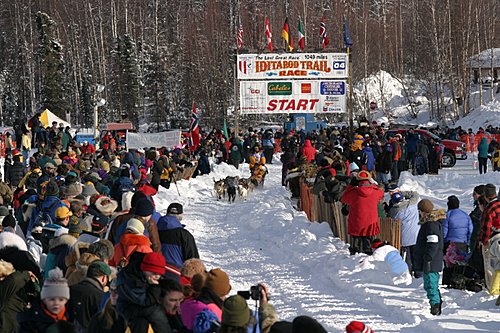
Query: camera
(254, 293)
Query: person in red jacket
(309, 151)
(363, 221)
(87, 148)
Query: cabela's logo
(279, 88)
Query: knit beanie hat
(154, 262)
(136, 226)
(453, 202)
(138, 195)
(425, 205)
(358, 327)
(218, 282)
(55, 285)
(490, 191)
(305, 324)
(144, 207)
(235, 312)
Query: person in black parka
(16, 172)
(429, 251)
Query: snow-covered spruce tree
(125, 88)
(51, 71)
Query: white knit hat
(136, 226)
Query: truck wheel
(449, 160)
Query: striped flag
(285, 33)
(323, 37)
(194, 130)
(269, 36)
(302, 37)
(239, 37)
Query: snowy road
(309, 272)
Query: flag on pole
(323, 37)
(269, 36)
(347, 35)
(224, 129)
(285, 33)
(302, 37)
(194, 130)
(239, 36)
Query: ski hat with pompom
(55, 285)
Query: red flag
(269, 36)
(239, 37)
(324, 41)
(194, 130)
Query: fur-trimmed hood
(106, 205)
(76, 251)
(434, 216)
(134, 239)
(6, 268)
(62, 240)
(10, 239)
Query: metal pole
(350, 106)
(236, 97)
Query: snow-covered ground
(310, 272)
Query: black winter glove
(427, 267)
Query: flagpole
(349, 79)
(236, 97)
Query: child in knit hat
(52, 308)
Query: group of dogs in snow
(232, 185)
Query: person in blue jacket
(457, 227)
(177, 243)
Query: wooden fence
(318, 210)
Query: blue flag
(347, 35)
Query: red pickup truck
(453, 150)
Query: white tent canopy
(47, 118)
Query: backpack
(43, 217)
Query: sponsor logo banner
(319, 96)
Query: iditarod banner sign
(300, 96)
(292, 66)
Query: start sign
(293, 96)
(287, 105)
